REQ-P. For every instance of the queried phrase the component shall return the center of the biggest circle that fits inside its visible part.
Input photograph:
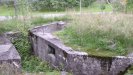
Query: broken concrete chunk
(9, 57)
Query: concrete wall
(49, 48)
(10, 61)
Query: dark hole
(51, 50)
(65, 54)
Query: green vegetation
(118, 6)
(130, 71)
(123, 6)
(44, 73)
(95, 7)
(130, 5)
(29, 62)
(53, 5)
(40, 21)
(6, 11)
(103, 35)
(20, 25)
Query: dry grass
(118, 23)
(100, 34)
(9, 69)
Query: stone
(12, 35)
(9, 57)
(64, 73)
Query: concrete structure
(9, 57)
(49, 48)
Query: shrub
(130, 5)
(117, 6)
(8, 3)
(52, 5)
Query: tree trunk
(15, 8)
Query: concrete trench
(49, 48)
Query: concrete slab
(9, 56)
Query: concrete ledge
(9, 55)
(49, 48)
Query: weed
(103, 35)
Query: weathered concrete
(51, 49)
(12, 35)
(9, 56)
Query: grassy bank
(102, 35)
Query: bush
(59, 4)
(130, 5)
(8, 3)
(117, 6)
(87, 3)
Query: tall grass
(100, 34)
(30, 63)
(20, 25)
(22, 21)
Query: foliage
(18, 25)
(86, 3)
(6, 2)
(29, 62)
(22, 23)
(130, 5)
(59, 4)
(9, 25)
(117, 6)
(102, 7)
(123, 5)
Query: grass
(95, 7)
(45, 73)
(30, 63)
(101, 35)
(40, 20)
(9, 11)
(20, 25)
(6, 11)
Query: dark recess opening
(51, 50)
